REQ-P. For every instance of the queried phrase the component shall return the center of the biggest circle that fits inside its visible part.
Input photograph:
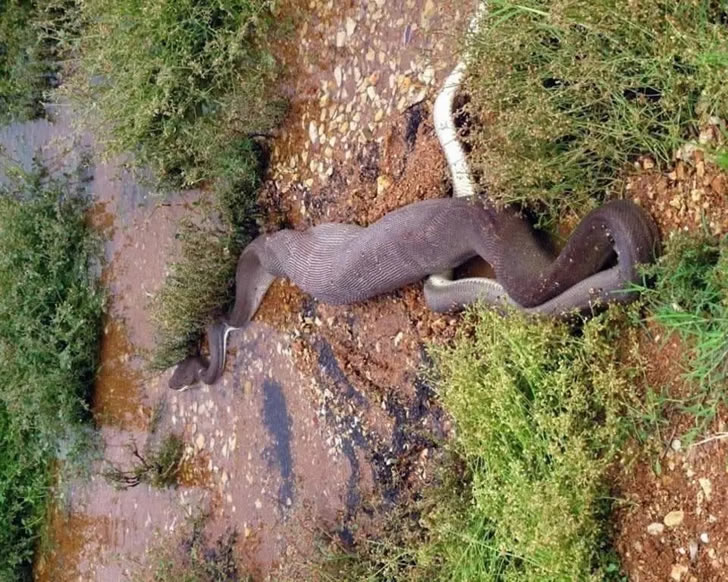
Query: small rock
(350, 26)
(429, 75)
(677, 572)
(312, 132)
(676, 445)
(200, 442)
(693, 550)
(338, 76)
(398, 338)
(383, 184)
(704, 538)
(340, 39)
(674, 518)
(655, 529)
(707, 487)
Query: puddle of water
(117, 398)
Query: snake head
(187, 374)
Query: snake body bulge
(343, 263)
(340, 264)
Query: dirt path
(322, 415)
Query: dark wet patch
(414, 118)
(368, 162)
(329, 364)
(392, 462)
(278, 424)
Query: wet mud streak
(354, 438)
(390, 460)
(278, 424)
(328, 363)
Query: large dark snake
(346, 263)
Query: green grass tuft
(537, 413)
(690, 297)
(50, 326)
(568, 92)
(21, 70)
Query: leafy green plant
(21, 72)
(50, 326)
(35, 35)
(537, 414)
(568, 92)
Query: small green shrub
(536, 408)
(21, 73)
(569, 91)
(178, 82)
(50, 326)
(35, 35)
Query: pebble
(707, 487)
(674, 518)
(350, 26)
(655, 528)
(677, 572)
(693, 550)
(312, 132)
(383, 184)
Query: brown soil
(673, 477)
(691, 196)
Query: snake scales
(345, 263)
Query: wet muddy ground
(323, 415)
